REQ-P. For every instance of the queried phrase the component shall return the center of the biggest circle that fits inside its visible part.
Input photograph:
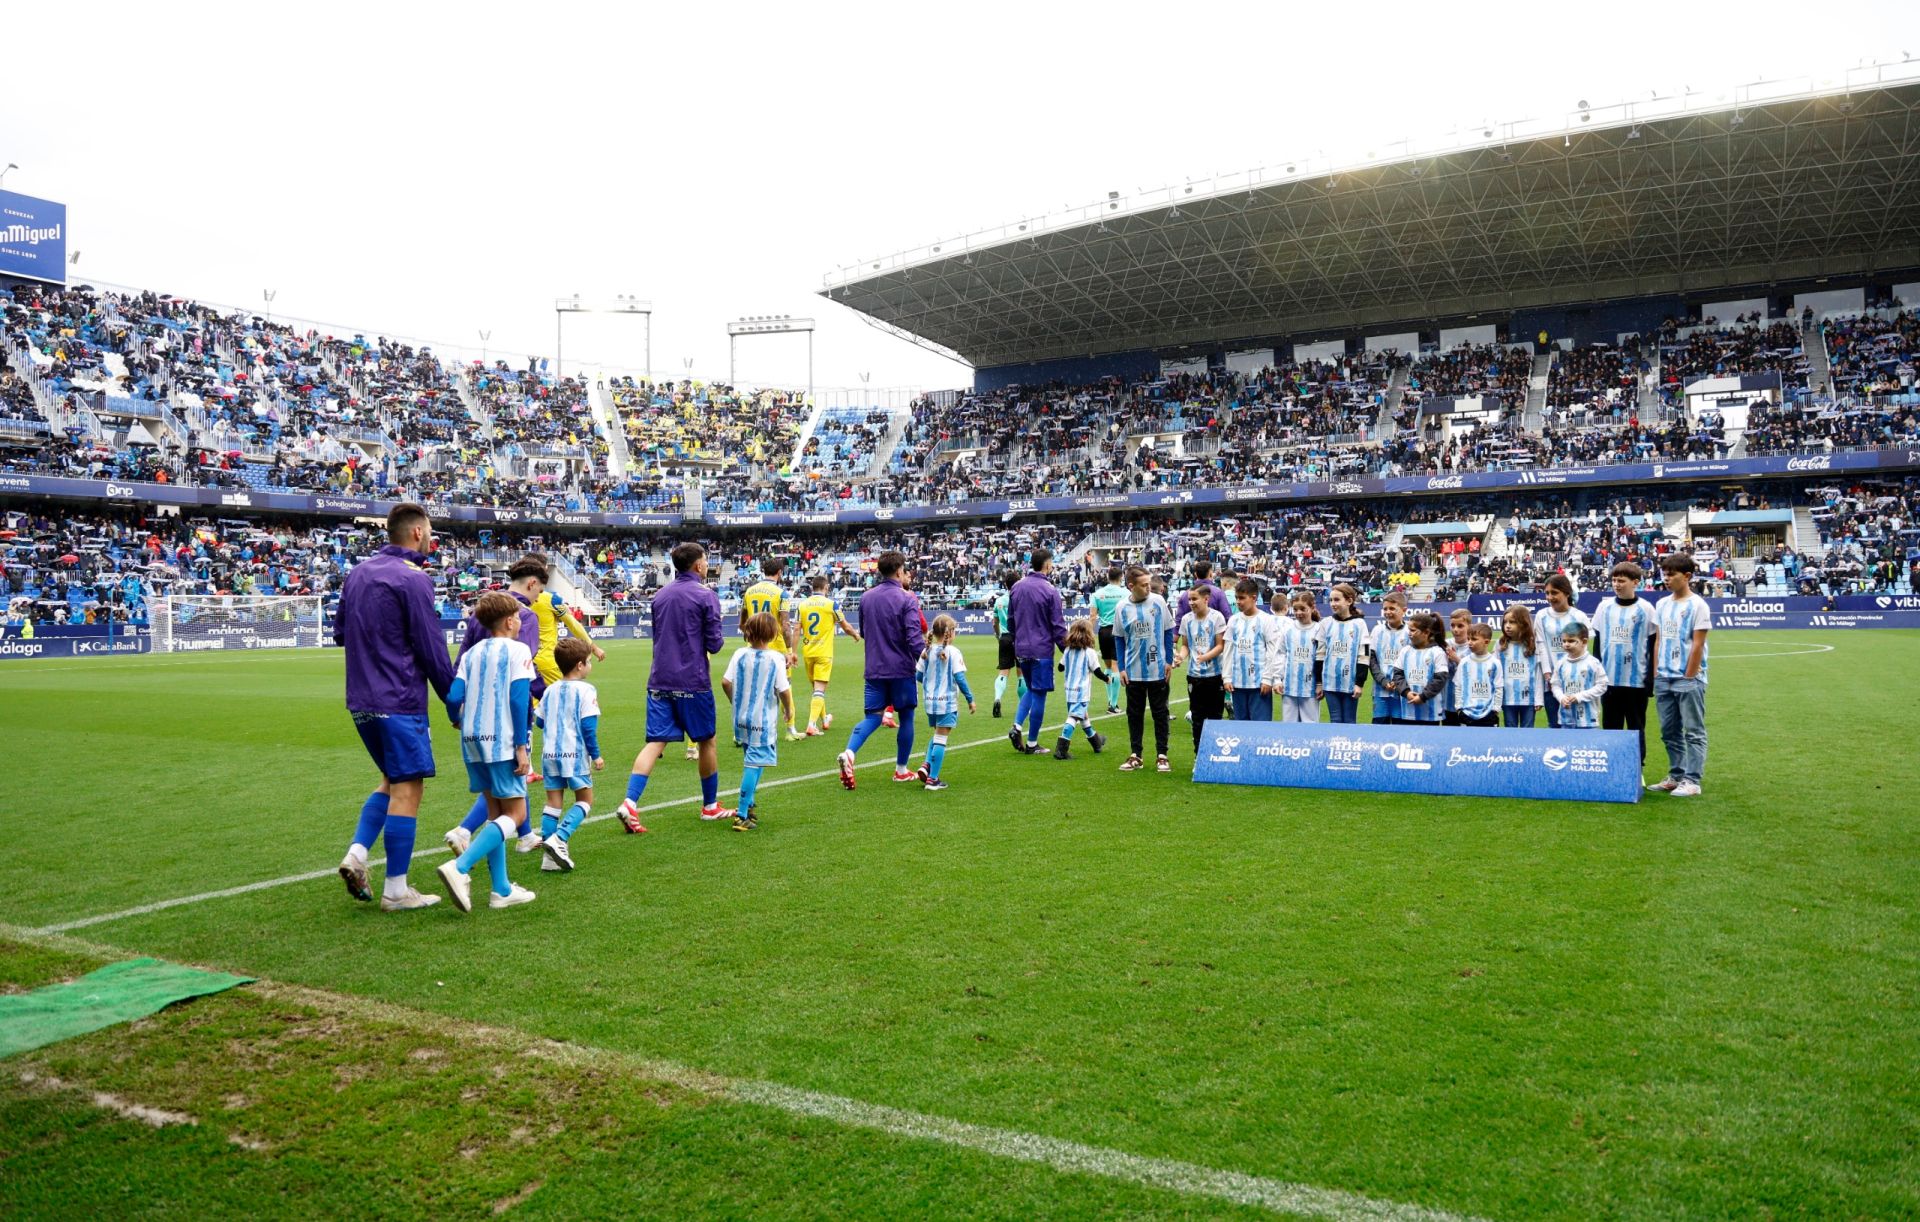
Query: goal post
(188, 623)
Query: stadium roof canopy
(1773, 182)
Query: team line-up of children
(505, 683)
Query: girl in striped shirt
(1300, 660)
(1344, 672)
(942, 672)
(1521, 702)
(1079, 665)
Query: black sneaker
(1097, 741)
(1035, 749)
(1060, 751)
(996, 709)
(1018, 740)
(745, 823)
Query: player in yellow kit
(765, 597)
(818, 618)
(550, 611)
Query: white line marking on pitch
(1070, 1157)
(312, 875)
(1801, 649)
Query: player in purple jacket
(890, 623)
(390, 629)
(686, 631)
(1036, 616)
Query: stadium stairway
(889, 441)
(1534, 417)
(619, 457)
(1396, 393)
(570, 584)
(474, 409)
(1819, 368)
(1806, 535)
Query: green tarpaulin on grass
(117, 993)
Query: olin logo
(1405, 755)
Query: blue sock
(903, 740)
(477, 815)
(497, 867)
(1038, 714)
(400, 829)
(483, 842)
(571, 820)
(1066, 731)
(1023, 687)
(636, 785)
(549, 821)
(710, 789)
(749, 783)
(936, 756)
(863, 731)
(1020, 709)
(373, 817)
(526, 825)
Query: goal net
(184, 623)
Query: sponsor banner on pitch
(16, 648)
(1565, 765)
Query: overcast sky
(438, 173)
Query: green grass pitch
(1676, 1009)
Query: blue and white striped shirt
(1620, 636)
(1251, 640)
(1202, 633)
(1387, 644)
(1140, 633)
(939, 678)
(1419, 666)
(1078, 685)
(1677, 620)
(1346, 640)
(564, 750)
(1572, 678)
(488, 672)
(1522, 676)
(1480, 685)
(758, 677)
(1297, 647)
(1549, 626)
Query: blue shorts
(761, 755)
(496, 779)
(944, 721)
(1076, 708)
(554, 783)
(400, 743)
(1038, 672)
(899, 694)
(672, 716)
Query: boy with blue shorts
(570, 715)
(943, 673)
(686, 631)
(756, 682)
(491, 700)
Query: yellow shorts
(819, 667)
(548, 669)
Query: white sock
(509, 827)
(396, 887)
(357, 853)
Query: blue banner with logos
(33, 238)
(1561, 765)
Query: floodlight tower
(769, 324)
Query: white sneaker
(528, 843)
(1666, 786)
(693, 752)
(408, 902)
(458, 839)
(459, 886)
(558, 855)
(1686, 789)
(516, 894)
(547, 866)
